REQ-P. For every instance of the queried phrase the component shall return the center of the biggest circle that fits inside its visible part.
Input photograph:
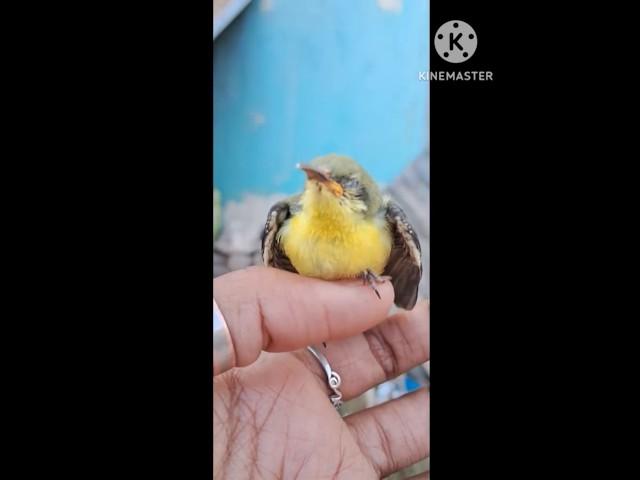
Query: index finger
(275, 310)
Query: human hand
(273, 418)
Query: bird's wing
(404, 265)
(272, 253)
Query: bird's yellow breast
(335, 244)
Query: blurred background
(297, 79)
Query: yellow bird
(341, 227)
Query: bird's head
(336, 180)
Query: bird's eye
(350, 183)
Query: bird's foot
(371, 278)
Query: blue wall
(295, 79)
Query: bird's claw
(369, 277)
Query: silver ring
(333, 379)
(224, 355)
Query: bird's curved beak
(321, 177)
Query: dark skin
(273, 418)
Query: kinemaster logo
(456, 42)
